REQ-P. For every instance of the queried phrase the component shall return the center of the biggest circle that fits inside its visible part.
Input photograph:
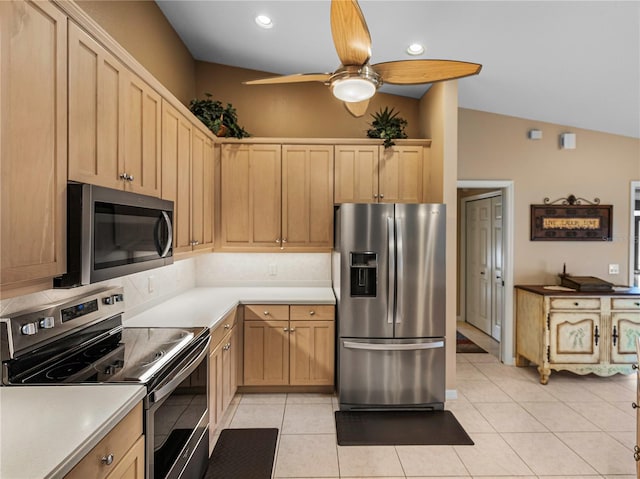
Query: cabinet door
(311, 352)
(96, 81)
(625, 329)
(266, 353)
(215, 392)
(229, 365)
(33, 150)
(176, 173)
(574, 337)
(250, 196)
(400, 174)
(356, 174)
(142, 118)
(307, 196)
(131, 466)
(202, 191)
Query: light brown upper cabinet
(114, 120)
(276, 197)
(33, 128)
(187, 180)
(373, 174)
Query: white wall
(264, 269)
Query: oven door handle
(180, 376)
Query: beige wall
(302, 110)
(142, 29)
(439, 121)
(495, 147)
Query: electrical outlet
(273, 269)
(614, 269)
(151, 284)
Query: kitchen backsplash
(264, 269)
(141, 290)
(148, 288)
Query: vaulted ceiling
(574, 63)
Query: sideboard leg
(544, 374)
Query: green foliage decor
(220, 120)
(387, 125)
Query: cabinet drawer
(117, 442)
(318, 312)
(222, 328)
(575, 303)
(625, 303)
(266, 312)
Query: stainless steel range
(83, 341)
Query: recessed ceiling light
(264, 21)
(415, 49)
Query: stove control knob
(107, 300)
(47, 322)
(29, 329)
(118, 297)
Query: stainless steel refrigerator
(389, 279)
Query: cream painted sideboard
(578, 332)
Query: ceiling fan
(356, 81)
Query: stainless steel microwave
(112, 233)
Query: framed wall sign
(568, 219)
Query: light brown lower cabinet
(223, 372)
(289, 345)
(119, 455)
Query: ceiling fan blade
(357, 109)
(296, 78)
(350, 32)
(411, 72)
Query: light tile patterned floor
(574, 427)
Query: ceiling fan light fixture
(415, 49)
(353, 89)
(264, 21)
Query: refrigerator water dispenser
(364, 273)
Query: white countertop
(207, 306)
(46, 430)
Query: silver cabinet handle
(130, 178)
(293, 330)
(124, 176)
(267, 313)
(195, 243)
(107, 460)
(375, 195)
(278, 240)
(381, 195)
(227, 326)
(312, 312)
(285, 329)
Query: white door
(497, 290)
(484, 265)
(479, 264)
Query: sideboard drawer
(625, 303)
(575, 303)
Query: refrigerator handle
(399, 270)
(393, 347)
(391, 236)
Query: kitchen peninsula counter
(46, 430)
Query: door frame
(635, 187)
(507, 343)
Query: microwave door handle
(167, 247)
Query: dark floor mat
(399, 428)
(465, 345)
(243, 454)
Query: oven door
(177, 419)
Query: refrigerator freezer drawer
(393, 373)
